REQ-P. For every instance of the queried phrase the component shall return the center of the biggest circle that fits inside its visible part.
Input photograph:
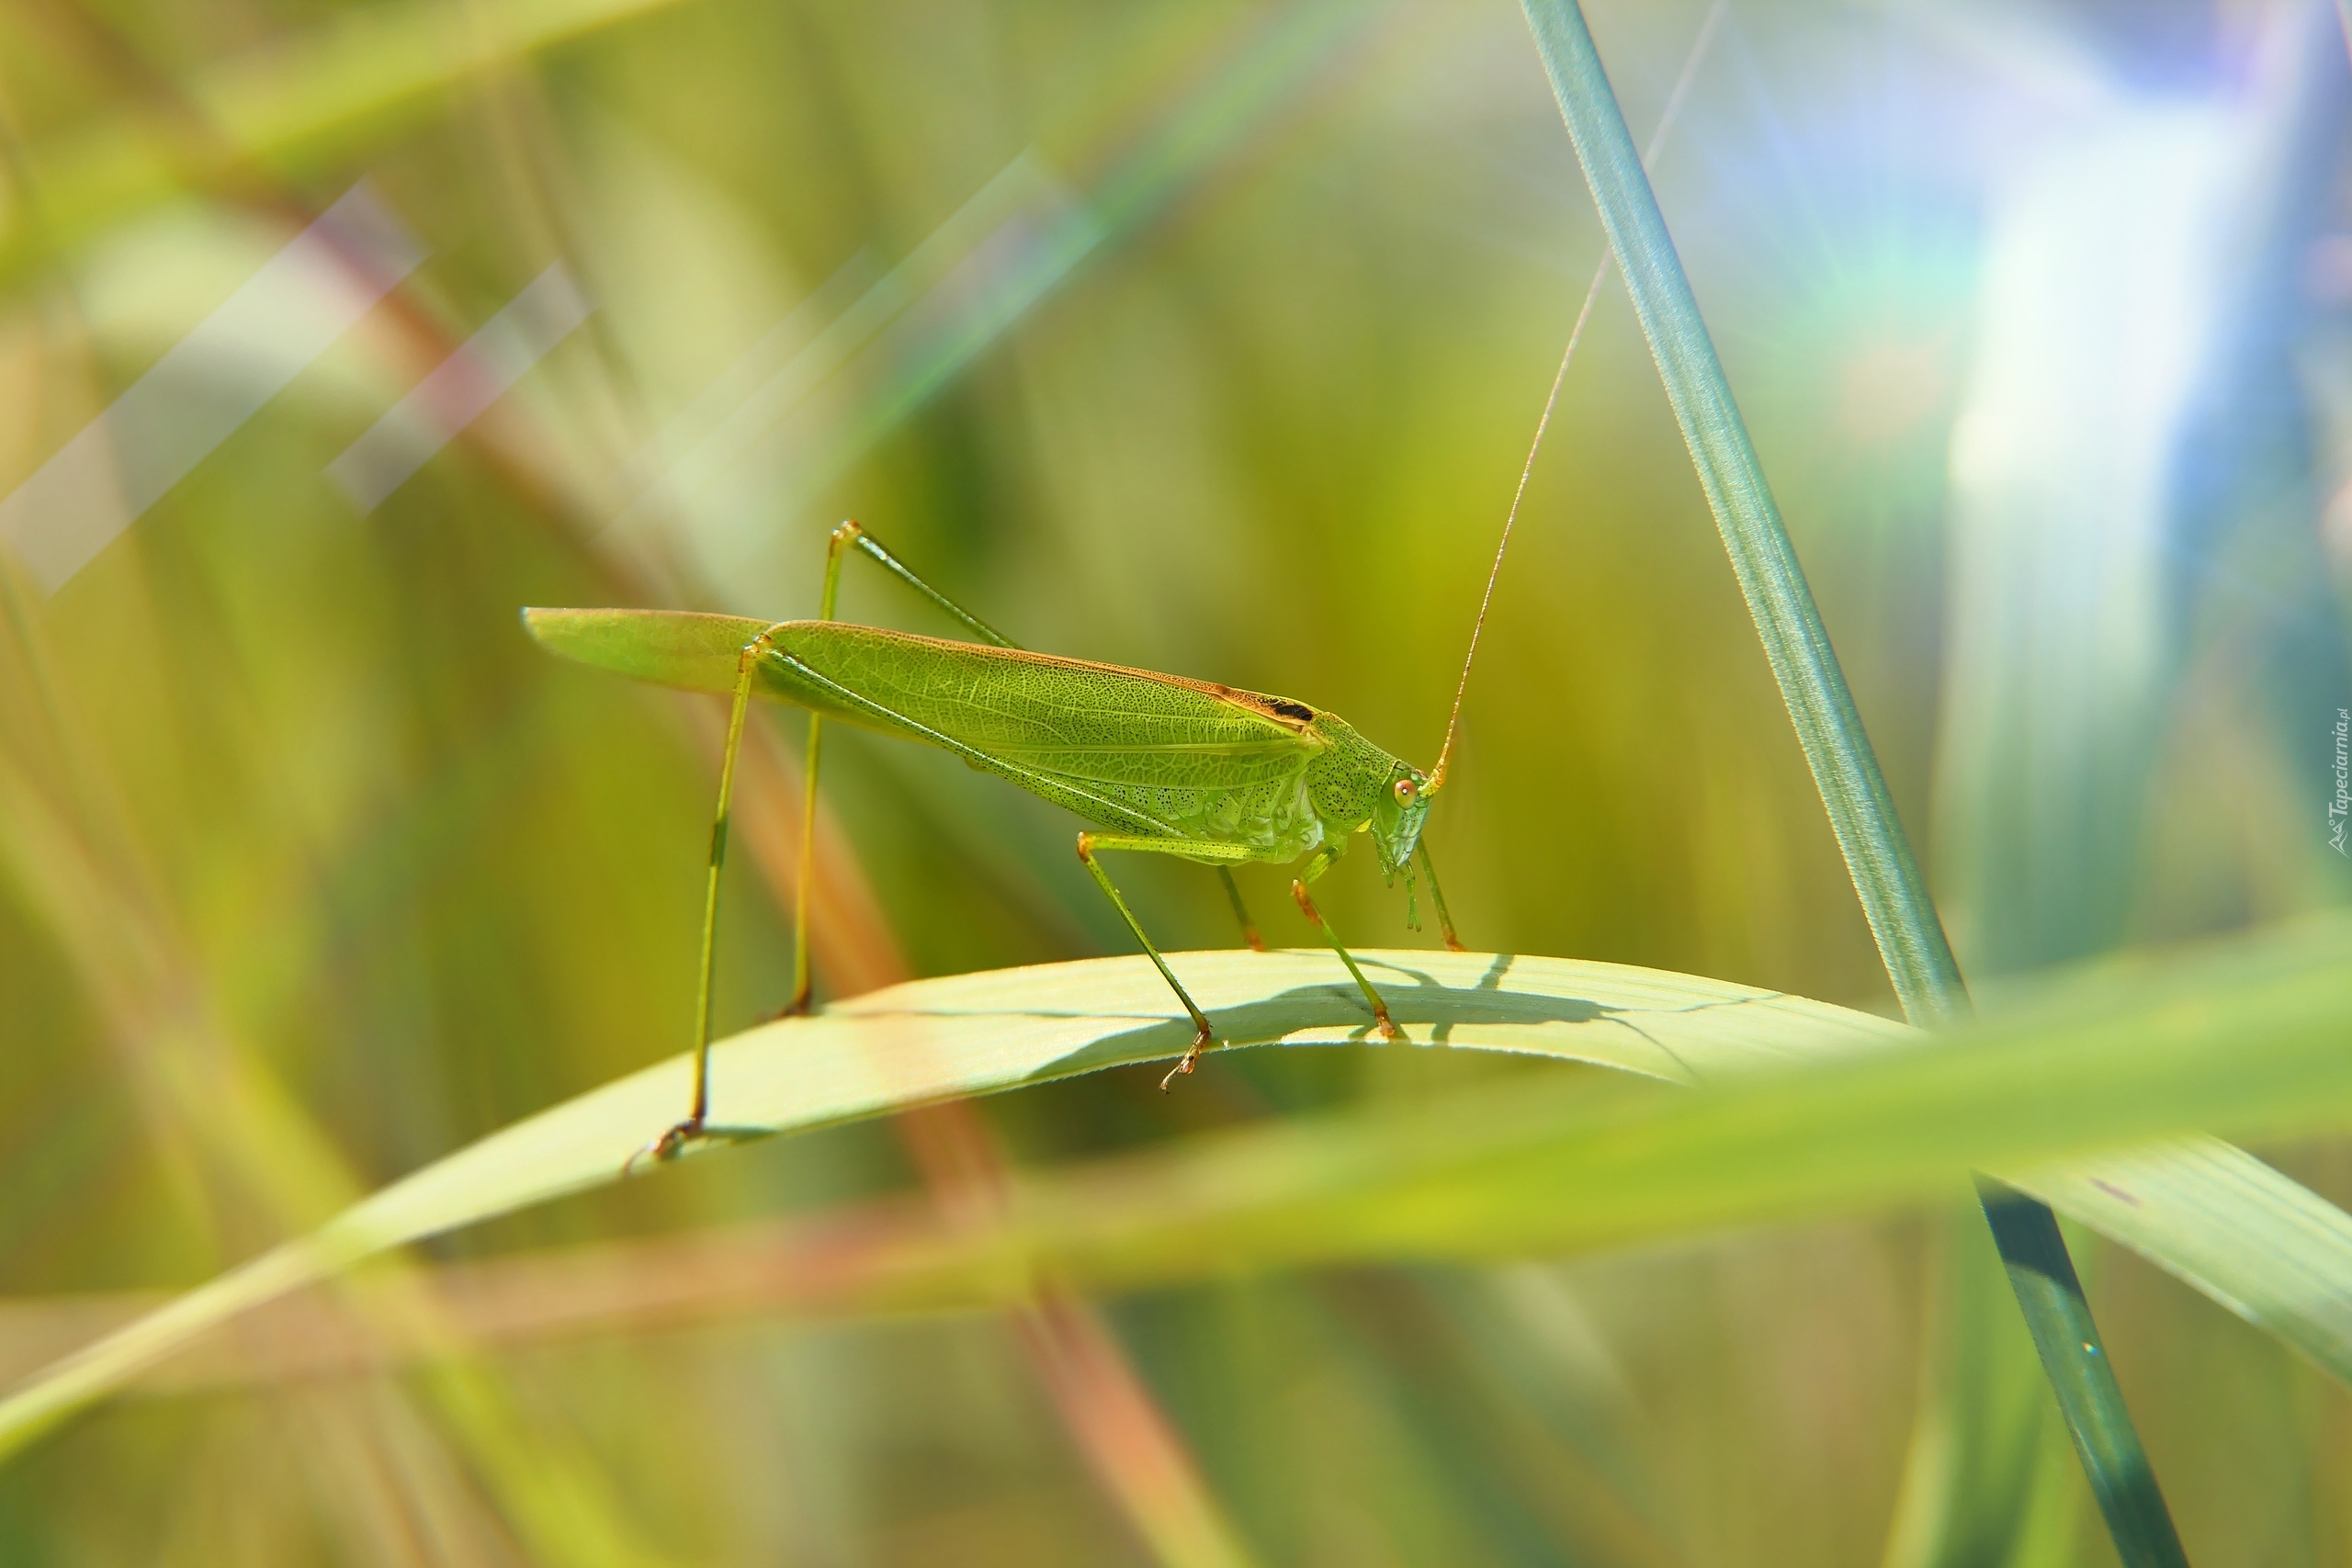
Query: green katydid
(1173, 766)
(1168, 765)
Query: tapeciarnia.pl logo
(2342, 805)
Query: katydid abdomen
(1133, 750)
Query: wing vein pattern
(1170, 757)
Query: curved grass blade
(2212, 1216)
(933, 1040)
(1807, 1106)
(1895, 898)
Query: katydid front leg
(1437, 896)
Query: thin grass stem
(1895, 898)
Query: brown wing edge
(1291, 715)
(697, 652)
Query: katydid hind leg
(852, 535)
(1241, 910)
(696, 1124)
(1088, 843)
(1315, 868)
(803, 981)
(846, 538)
(838, 547)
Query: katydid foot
(1202, 1041)
(800, 1005)
(669, 1145)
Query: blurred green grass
(337, 874)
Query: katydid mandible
(1166, 765)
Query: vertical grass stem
(1895, 898)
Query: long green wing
(1144, 752)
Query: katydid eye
(1405, 790)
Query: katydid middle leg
(1241, 910)
(1203, 1035)
(1315, 868)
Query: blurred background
(1203, 338)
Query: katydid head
(1357, 788)
(1398, 813)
